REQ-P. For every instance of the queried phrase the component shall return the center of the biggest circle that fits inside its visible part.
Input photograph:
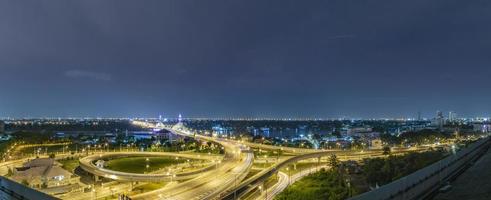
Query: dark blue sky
(228, 58)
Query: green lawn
(138, 164)
(70, 164)
(323, 185)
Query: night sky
(251, 58)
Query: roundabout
(94, 164)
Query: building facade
(2, 127)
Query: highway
(282, 184)
(209, 185)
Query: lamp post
(289, 178)
(349, 186)
(95, 192)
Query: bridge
(87, 164)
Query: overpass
(87, 164)
(281, 148)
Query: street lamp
(289, 175)
(95, 193)
(349, 186)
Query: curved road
(87, 164)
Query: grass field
(317, 186)
(138, 164)
(69, 165)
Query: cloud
(88, 74)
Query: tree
(10, 172)
(386, 150)
(333, 162)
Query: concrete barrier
(420, 183)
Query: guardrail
(420, 183)
(12, 190)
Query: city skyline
(451, 115)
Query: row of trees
(380, 171)
(425, 136)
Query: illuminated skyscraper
(452, 116)
(439, 120)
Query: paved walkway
(473, 184)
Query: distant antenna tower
(180, 118)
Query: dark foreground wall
(15, 191)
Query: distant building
(110, 137)
(265, 131)
(439, 120)
(2, 127)
(5, 137)
(44, 172)
(356, 130)
(481, 127)
(141, 135)
(60, 135)
(220, 130)
(100, 163)
(452, 116)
